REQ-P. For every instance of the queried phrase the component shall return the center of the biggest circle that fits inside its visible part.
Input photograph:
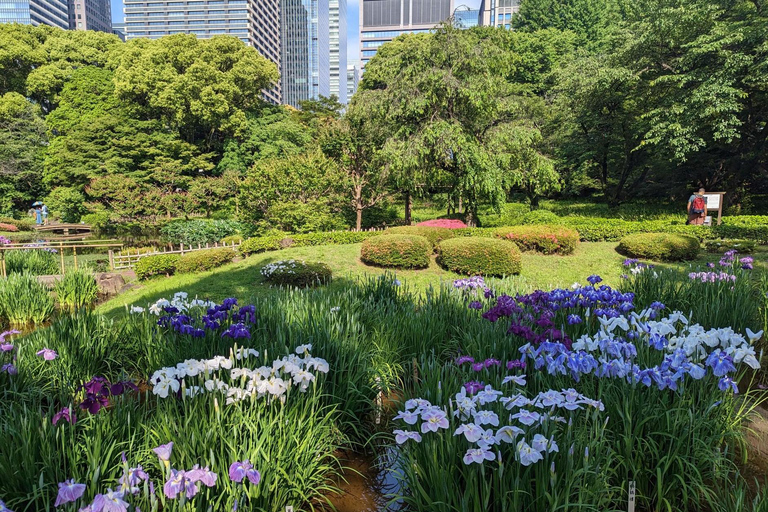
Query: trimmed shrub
(156, 265)
(480, 256)
(397, 251)
(76, 289)
(260, 244)
(232, 239)
(720, 246)
(443, 223)
(435, 235)
(37, 262)
(333, 238)
(660, 246)
(296, 273)
(540, 217)
(200, 261)
(543, 239)
(190, 232)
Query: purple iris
(241, 470)
(464, 359)
(517, 363)
(178, 483)
(574, 319)
(94, 403)
(69, 491)
(594, 279)
(710, 265)
(727, 383)
(473, 386)
(6, 347)
(202, 475)
(475, 304)
(47, 354)
(721, 363)
(9, 369)
(491, 362)
(478, 366)
(163, 451)
(236, 331)
(64, 414)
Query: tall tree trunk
(408, 208)
(461, 205)
(359, 207)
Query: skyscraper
(353, 79)
(383, 20)
(255, 22)
(90, 15)
(498, 13)
(338, 48)
(465, 17)
(305, 43)
(35, 12)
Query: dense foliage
(156, 265)
(660, 246)
(542, 238)
(480, 256)
(199, 261)
(397, 251)
(193, 232)
(299, 274)
(434, 234)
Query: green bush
(190, 232)
(76, 289)
(66, 203)
(200, 261)
(299, 274)
(260, 244)
(720, 246)
(332, 238)
(156, 265)
(37, 262)
(434, 235)
(26, 224)
(540, 217)
(543, 239)
(660, 246)
(23, 300)
(511, 215)
(480, 256)
(397, 251)
(232, 239)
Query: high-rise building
(119, 30)
(353, 79)
(255, 22)
(498, 13)
(383, 20)
(338, 48)
(465, 17)
(305, 43)
(90, 15)
(35, 12)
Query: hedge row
(480, 256)
(198, 231)
(169, 264)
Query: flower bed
(443, 223)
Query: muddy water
(368, 484)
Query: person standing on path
(44, 211)
(697, 208)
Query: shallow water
(368, 483)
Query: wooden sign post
(715, 202)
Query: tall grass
(23, 300)
(76, 289)
(37, 262)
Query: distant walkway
(65, 229)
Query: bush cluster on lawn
(189, 232)
(11, 228)
(156, 265)
(742, 246)
(435, 235)
(540, 217)
(397, 251)
(200, 261)
(300, 274)
(276, 242)
(480, 256)
(232, 239)
(542, 238)
(660, 246)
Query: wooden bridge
(65, 231)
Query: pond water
(368, 483)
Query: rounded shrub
(480, 256)
(260, 244)
(397, 251)
(200, 261)
(300, 274)
(540, 217)
(232, 239)
(435, 235)
(542, 238)
(660, 246)
(156, 265)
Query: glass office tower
(35, 12)
(305, 43)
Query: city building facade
(498, 13)
(383, 20)
(35, 12)
(337, 45)
(305, 43)
(353, 79)
(255, 22)
(90, 15)
(119, 30)
(465, 17)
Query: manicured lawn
(242, 279)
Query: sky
(353, 34)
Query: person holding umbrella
(38, 212)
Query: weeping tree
(452, 118)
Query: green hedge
(200, 261)
(540, 217)
(742, 246)
(191, 232)
(260, 244)
(397, 251)
(660, 246)
(296, 273)
(480, 256)
(433, 234)
(543, 239)
(156, 265)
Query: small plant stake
(289, 508)
(632, 492)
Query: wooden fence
(58, 248)
(127, 261)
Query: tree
(588, 19)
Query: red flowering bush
(443, 223)
(8, 227)
(542, 238)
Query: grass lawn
(243, 280)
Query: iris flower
(163, 451)
(48, 354)
(478, 456)
(241, 470)
(65, 414)
(69, 491)
(401, 436)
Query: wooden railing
(127, 261)
(58, 247)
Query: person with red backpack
(697, 208)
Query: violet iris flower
(203, 475)
(69, 491)
(475, 304)
(3, 508)
(6, 347)
(464, 359)
(65, 414)
(176, 484)
(240, 470)
(48, 354)
(594, 279)
(112, 501)
(11, 370)
(163, 451)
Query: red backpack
(699, 205)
